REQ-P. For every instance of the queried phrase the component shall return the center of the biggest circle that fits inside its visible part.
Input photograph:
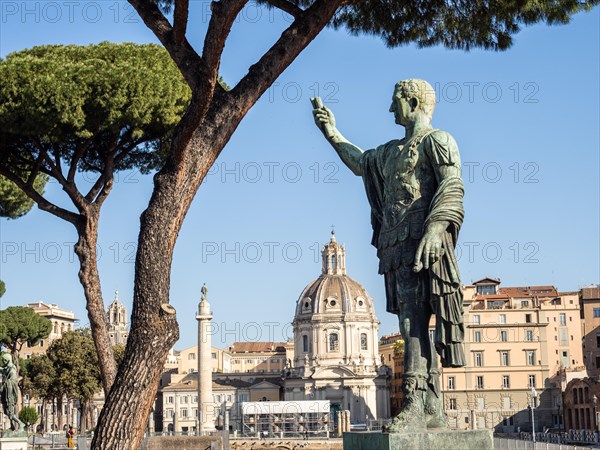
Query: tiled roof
(529, 291)
(257, 347)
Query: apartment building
(589, 298)
(523, 345)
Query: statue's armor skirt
(402, 284)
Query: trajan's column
(206, 410)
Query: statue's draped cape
(446, 205)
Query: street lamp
(533, 397)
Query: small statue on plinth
(9, 391)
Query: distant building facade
(589, 298)
(391, 347)
(516, 339)
(62, 321)
(117, 322)
(336, 353)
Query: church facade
(117, 322)
(336, 355)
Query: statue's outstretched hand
(324, 118)
(429, 251)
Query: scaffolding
(304, 419)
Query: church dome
(335, 323)
(334, 292)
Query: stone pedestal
(420, 440)
(13, 443)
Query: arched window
(55, 327)
(334, 343)
(333, 262)
(305, 343)
(363, 341)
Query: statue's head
(412, 97)
(6, 359)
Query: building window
(305, 343)
(502, 318)
(506, 403)
(169, 413)
(477, 336)
(478, 357)
(184, 400)
(524, 304)
(527, 318)
(333, 262)
(562, 318)
(531, 381)
(170, 399)
(192, 356)
(451, 383)
(334, 343)
(476, 319)
(531, 357)
(597, 362)
(486, 290)
(504, 359)
(479, 382)
(504, 336)
(363, 341)
(183, 412)
(452, 404)
(596, 312)
(505, 382)
(529, 335)
(213, 355)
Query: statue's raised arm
(349, 153)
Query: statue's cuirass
(409, 185)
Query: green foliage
(104, 97)
(460, 24)
(2, 288)
(39, 377)
(28, 416)
(399, 347)
(15, 203)
(119, 354)
(75, 362)
(22, 325)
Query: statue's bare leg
(414, 327)
(434, 408)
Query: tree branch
(180, 19)
(76, 158)
(183, 54)
(41, 201)
(57, 174)
(35, 170)
(286, 6)
(106, 176)
(224, 13)
(290, 44)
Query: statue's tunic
(407, 191)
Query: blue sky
(526, 121)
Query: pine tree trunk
(195, 147)
(154, 329)
(85, 249)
